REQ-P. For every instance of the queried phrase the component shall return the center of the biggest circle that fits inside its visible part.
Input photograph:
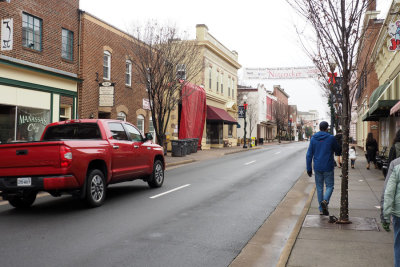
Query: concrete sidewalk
(322, 244)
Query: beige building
(219, 80)
(387, 94)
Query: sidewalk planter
(179, 148)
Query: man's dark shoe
(324, 206)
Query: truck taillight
(65, 156)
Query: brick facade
(55, 15)
(97, 37)
(366, 74)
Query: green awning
(377, 93)
(368, 117)
(381, 108)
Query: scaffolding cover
(193, 114)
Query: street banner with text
(280, 73)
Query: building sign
(146, 104)
(106, 94)
(280, 73)
(7, 32)
(394, 32)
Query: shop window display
(22, 123)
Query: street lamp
(245, 123)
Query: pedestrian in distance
(391, 206)
(372, 147)
(352, 156)
(339, 140)
(320, 151)
(394, 152)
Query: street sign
(241, 111)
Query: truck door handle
(115, 147)
(136, 146)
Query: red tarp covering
(218, 114)
(193, 114)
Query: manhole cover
(359, 224)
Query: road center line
(248, 163)
(172, 190)
(277, 153)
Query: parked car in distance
(79, 157)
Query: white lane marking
(172, 190)
(248, 163)
(277, 152)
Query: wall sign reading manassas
(280, 73)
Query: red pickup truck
(79, 157)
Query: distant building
(259, 113)
(309, 118)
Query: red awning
(218, 114)
(395, 108)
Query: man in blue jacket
(321, 149)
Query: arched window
(140, 123)
(121, 116)
(107, 65)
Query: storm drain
(358, 223)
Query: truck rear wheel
(95, 188)
(23, 202)
(156, 178)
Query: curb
(287, 250)
(179, 163)
(239, 151)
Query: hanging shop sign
(7, 32)
(394, 32)
(280, 73)
(106, 94)
(146, 104)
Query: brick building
(38, 66)
(109, 88)
(281, 108)
(367, 77)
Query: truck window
(73, 131)
(134, 134)
(117, 131)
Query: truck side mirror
(148, 136)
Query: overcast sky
(261, 31)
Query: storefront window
(7, 124)
(31, 123)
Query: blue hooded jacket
(322, 146)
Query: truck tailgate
(15, 159)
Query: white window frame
(210, 78)
(128, 72)
(222, 83)
(140, 127)
(108, 55)
(181, 68)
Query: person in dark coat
(394, 152)
(339, 140)
(372, 147)
(320, 151)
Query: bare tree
(280, 114)
(164, 62)
(337, 27)
(251, 114)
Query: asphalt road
(205, 213)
